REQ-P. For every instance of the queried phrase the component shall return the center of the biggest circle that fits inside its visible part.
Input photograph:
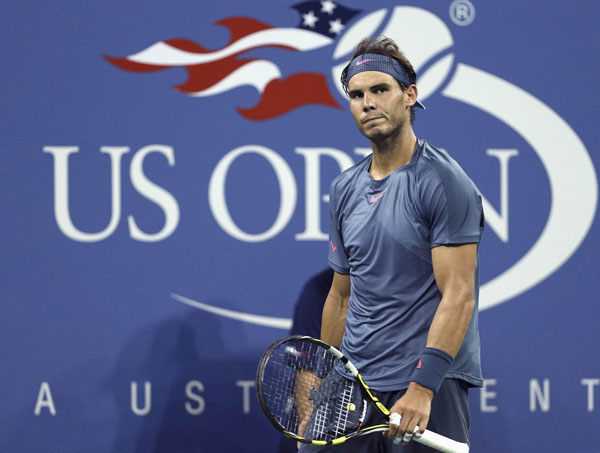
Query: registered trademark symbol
(462, 12)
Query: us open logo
(571, 176)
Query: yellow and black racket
(305, 399)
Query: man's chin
(374, 134)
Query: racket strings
(345, 410)
(305, 397)
(318, 429)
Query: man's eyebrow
(379, 85)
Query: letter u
(61, 191)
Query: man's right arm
(334, 311)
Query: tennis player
(405, 228)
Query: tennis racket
(306, 400)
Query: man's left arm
(454, 270)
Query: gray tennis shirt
(382, 233)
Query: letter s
(153, 192)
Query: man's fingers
(407, 420)
(402, 427)
(406, 429)
(414, 407)
(395, 419)
(423, 425)
(410, 432)
(415, 432)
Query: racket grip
(441, 443)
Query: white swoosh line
(402, 25)
(573, 182)
(268, 321)
(162, 54)
(256, 73)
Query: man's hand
(414, 407)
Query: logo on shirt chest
(375, 198)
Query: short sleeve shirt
(382, 233)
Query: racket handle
(441, 443)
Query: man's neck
(392, 153)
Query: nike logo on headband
(363, 61)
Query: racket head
(303, 396)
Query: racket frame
(428, 438)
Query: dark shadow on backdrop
(307, 321)
(169, 356)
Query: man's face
(378, 104)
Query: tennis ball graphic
(420, 34)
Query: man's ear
(411, 93)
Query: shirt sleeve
(338, 260)
(452, 207)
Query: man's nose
(368, 103)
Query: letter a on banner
(44, 399)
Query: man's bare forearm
(333, 324)
(454, 269)
(334, 321)
(451, 321)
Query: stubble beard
(385, 142)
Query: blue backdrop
(163, 199)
